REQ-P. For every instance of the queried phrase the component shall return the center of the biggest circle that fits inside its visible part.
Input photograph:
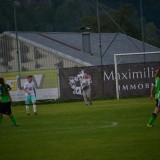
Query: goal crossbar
(115, 66)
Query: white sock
(34, 108)
(27, 109)
(85, 99)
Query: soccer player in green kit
(156, 87)
(6, 102)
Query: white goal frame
(115, 66)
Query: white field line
(61, 130)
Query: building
(39, 50)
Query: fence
(134, 80)
(30, 56)
(65, 83)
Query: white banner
(18, 94)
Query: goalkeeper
(86, 89)
(156, 87)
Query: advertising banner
(70, 81)
(43, 89)
(133, 79)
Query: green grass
(72, 131)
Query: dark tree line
(71, 15)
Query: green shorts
(30, 99)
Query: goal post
(134, 67)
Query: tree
(68, 16)
(6, 16)
(151, 35)
(120, 20)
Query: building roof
(70, 44)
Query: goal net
(134, 73)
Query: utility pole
(99, 32)
(142, 25)
(100, 45)
(16, 30)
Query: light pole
(100, 45)
(99, 31)
(16, 30)
(142, 24)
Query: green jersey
(4, 95)
(157, 87)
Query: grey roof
(71, 44)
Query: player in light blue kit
(30, 91)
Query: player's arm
(26, 90)
(8, 87)
(10, 98)
(151, 93)
(34, 91)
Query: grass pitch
(109, 130)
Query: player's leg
(85, 97)
(13, 120)
(154, 115)
(33, 99)
(28, 102)
(89, 95)
(8, 112)
(1, 115)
